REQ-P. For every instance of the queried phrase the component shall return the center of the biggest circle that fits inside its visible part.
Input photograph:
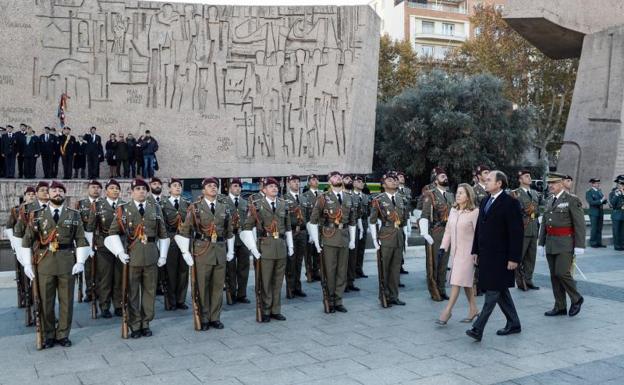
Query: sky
(273, 2)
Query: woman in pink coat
(459, 234)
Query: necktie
(114, 205)
(141, 209)
(340, 198)
(176, 204)
(489, 204)
(158, 200)
(316, 193)
(212, 210)
(554, 202)
(393, 201)
(236, 202)
(529, 193)
(45, 206)
(297, 198)
(56, 215)
(273, 206)
(401, 190)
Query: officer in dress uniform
(147, 245)
(364, 201)
(561, 237)
(300, 209)
(209, 223)
(54, 249)
(388, 208)
(238, 268)
(270, 217)
(86, 208)
(596, 201)
(312, 255)
(347, 183)
(406, 193)
(334, 214)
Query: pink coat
(459, 234)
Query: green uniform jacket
(142, 250)
(43, 235)
(568, 212)
(365, 210)
(86, 209)
(616, 200)
(595, 200)
(14, 216)
(334, 219)
(22, 221)
(392, 217)
(261, 216)
(100, 220)
(436, 207)
(174, 218)
(530, 210)
(480, 193)
(239, 216)
(406, 194)
(299, 212)
(208, 231)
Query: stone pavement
(367, 345)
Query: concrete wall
(243, 91)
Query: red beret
(347, 176)
(94, 182)
(268, 181)
(175, 180)
(211, 179)
(481, 168)
(112, 182)
(312, 176)
(138, 182)
(359, 177)
(237, 181)
(57, 184)
(29, 189)
(154, 179)
(522, 172)
(41, 184)
(293, 177)
(334, 173)
(437, 171)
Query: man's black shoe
(300, 293)
(136, 334)
(555, 312)
(474, 333)
(118, 312)
(576, 307)
(532, 286)
(242, 300)
(182, 306)
(266, 318)
(445, 297)
(146, 332)
(64, 342)
(401, 285)
(106, 314)
(49, 343)
(340, 308)
(205, 326)
(278, 317)
(403, 271)
(353, 288)
(509, 330)
(397, 302)
(216, 324)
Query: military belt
(335, 226)
(559, 231)
(67, 246)
(297, 228)
(202, 237)
(270, 235)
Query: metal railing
(437, 7)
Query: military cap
(175, 180)
(594, 180)
(23, 125)
(237, 181)
(523, 172)
(41, 184)
(359, 177)
(312, 176)
(389, 174)
(554, 177)
(112, 182)
(29, 189)
(293, 177)
(482, 167)
(94, 182)
(138, 182)
(334, 173)
(437, 171)
(155, 180)
(210, 179)
(57, 184)
(568, 177)
(619, 179)
(268, 181)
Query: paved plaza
(367, 345)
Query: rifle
(28, 305)
(164, 287)
(80, 287)
(258, 289)
(195, 298)
(431, 280)
(37, 309)
(382, 278)
(93, 292)
(19, 281)
(326, 305)
(228, 288)
(124, 301)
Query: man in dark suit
(21, 136)
(30, 152)
(47, 144)
(94, 152)
(498, 248)
(10, 148)
(55, 152)
(67, 148)
(2, 132)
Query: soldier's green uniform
(360, 244)
(596, 200)
(238, 268)
(352, 262)
(336, 225)
(19, 230)
(209, 225)
(51, 244)
(480, 193)
(436, 205)
(142, 233)
(616, 201)
(14, 216)
(108, 267)
(271, 228)
(174, 212)
(85, 208)
(529, 202)
(300, 209)
(562, 231)
(406, 194)
(390, 209)
(312, 255)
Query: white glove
(351, 237)
(78, 268)
(230, 249)
(373, 231)
(255, 234)
(314, 233)
(408, 226)
(423, 223)
(361, 228)
(16, 244)
(184, 243)
(114, 245)
(89, 236)
(579, 251)
(248, 239)
(188, 258)
(540, 251)
(27, 262)
(310, 240)
(405, 232)
(163, 247)
(289, 243)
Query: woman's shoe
(443, 323)
(469, 320)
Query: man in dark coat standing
(497, 247)
(94, 152)
(9, 150)
(47, 145)
(67, 148)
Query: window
(448, 29)
(427, 27)
(425, 50)
(477, 31)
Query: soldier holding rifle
(142, 224)
(85, 207)
(238, 268)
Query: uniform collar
(172, 199)
(110, 201)
(137, 203)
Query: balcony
(437, 7)
(440, 36)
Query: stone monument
(594, 31)
(244, 91)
